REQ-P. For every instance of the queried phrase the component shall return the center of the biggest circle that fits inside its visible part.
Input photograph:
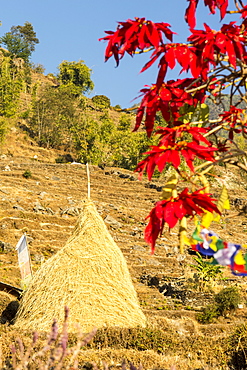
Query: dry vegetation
(46, 206)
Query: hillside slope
(45, 206)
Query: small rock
(154, 281)
(124, 175)
(4, 191)
(181, 257)
(7, 168)
(38, 208)
(6, 247)
(153, 186)
(50, 211)
(70, 200)
(55, 178)
(19, 208)
(153, 262)
(133, 178)
(113, 207)
(138, 248)
(71, 211)
(42, 194)
(112, 222)
(38, 258)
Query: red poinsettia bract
(173, 53)
(172, 210)
(235, 118)
(161, 155)
(222, 5)
(178, 130)
(210, 44)
(168, 98)
(133, 35)
(244, 12)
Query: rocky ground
(42, 199)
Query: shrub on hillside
(27, 174)
(101, 101)
(226, 301)
(208, 314)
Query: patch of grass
(237, 348)
(134, 338)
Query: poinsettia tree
(215, 63)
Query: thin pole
(88, 182)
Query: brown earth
(45, 206)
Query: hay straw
(89, 275)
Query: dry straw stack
(90, 276)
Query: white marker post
(24, 261)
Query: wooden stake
(88, 182)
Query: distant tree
(75, 77)
(38, 68)
(27, 33)
(52, 117)
(20, 41)
(11, 84)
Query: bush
(27, 174)
(101, 101)
(65, 158)
(208, 314)
(227, 300)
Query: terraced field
(42, 199)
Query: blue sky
(70, 29)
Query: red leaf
(153, 229)
(153, 34)
(139, 117)
(174, 209)
(190, 13)
(169, 214)
(164, 28)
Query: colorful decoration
(208, 243)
